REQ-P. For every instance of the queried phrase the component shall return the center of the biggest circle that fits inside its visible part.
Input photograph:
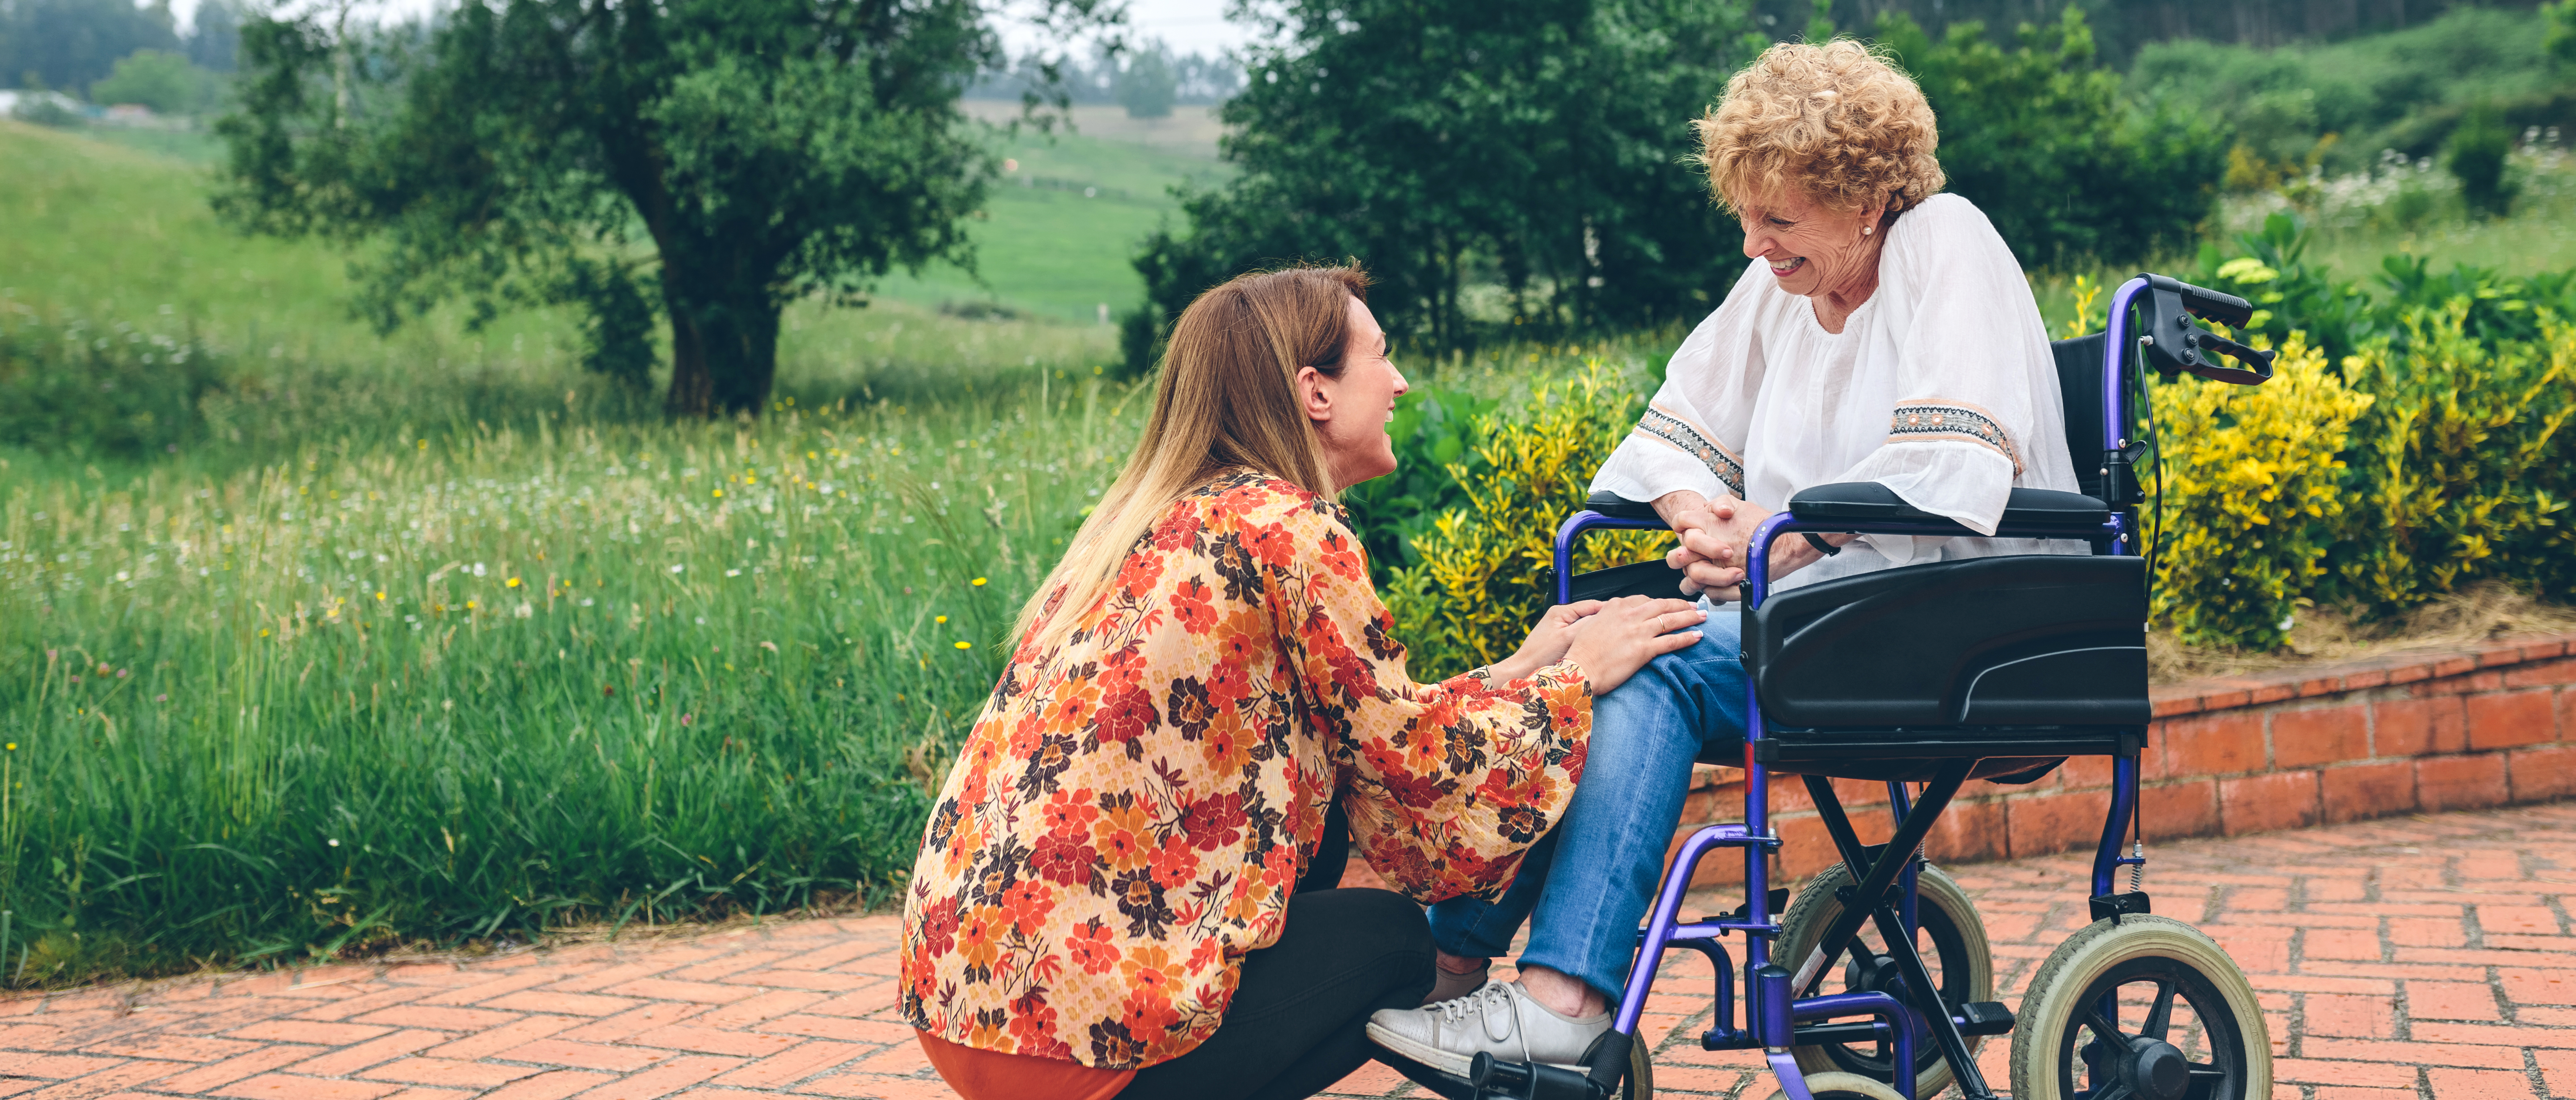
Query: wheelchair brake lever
(2258, 364)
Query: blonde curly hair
(1836, 121)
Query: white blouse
(1940, 387)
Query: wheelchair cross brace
(1870, 900)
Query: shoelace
(1457, 1009)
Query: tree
(2559, 39)
(66, 44)
(1148, 85)
(699, 161)
(2041, 139)
(164, 81)
(214, 38)
(2477, 156)
(1535, 145)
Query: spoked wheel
(1949, 935)
(2145, 1009)
(1844, 1086)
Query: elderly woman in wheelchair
(1960, 600)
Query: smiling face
(1350, 412)
(1812, 250)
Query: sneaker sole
(1446, 1061)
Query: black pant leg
(1295, 1026)
(1332, 855)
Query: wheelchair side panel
(2021, 640)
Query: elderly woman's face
(1812, 250)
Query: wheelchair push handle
(2204, 303)
(2175, 345)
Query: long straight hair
(1227, 399)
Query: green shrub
(164, 81)
(1483, 575)
(2452, 470)
(2476, 155)
(82, 391)
(1438, 434)
(2559, 41)
(2249, 488)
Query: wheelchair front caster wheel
(1844, 1086)
(1949, 934)
(2148, 1008)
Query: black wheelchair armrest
(1618, 507)
(2028, 513)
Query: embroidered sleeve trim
(1935, 421)
(1681, 435)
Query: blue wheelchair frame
(1772, 1011)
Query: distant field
(108, 234)
(114, 224)
(1051, 249)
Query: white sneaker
(1499, 1019)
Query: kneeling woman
(1108, 899)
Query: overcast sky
(1190, 26)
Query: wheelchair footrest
(1983, 1018)
(1973, 1018)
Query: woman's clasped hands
(1608, 639)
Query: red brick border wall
(2422, 732)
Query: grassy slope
(107, 231)
(1055, 252)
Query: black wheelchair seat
(2013, 660)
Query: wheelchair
(1924, 677)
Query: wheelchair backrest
(2079, 386)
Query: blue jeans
(1616, 830)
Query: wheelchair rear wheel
(1948, 933)
(2200, 1033)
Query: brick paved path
(2409, 957)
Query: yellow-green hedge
(2250, 487)
(2372, 485)
(1480, 583)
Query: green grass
(456, 684)
(205, 689)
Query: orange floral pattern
(1134, 807)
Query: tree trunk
(724, 355)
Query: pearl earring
(1866, 230)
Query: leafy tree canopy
(66, 44)
(702, 162)
(164, 81)
(1149, 85)
(2040, 138)
(1533, 146)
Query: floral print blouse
(1134, 806)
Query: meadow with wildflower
(480, 684)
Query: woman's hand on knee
(1547, 643)
(1611, 644)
